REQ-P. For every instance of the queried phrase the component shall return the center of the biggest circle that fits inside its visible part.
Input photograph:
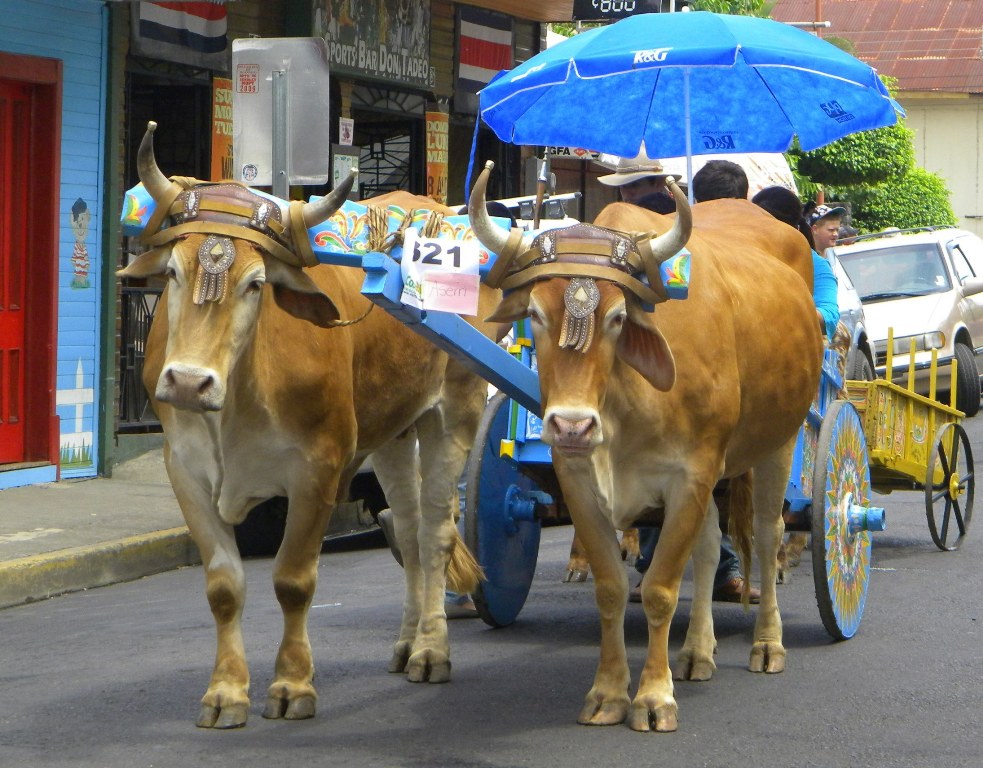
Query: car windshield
(899, 271)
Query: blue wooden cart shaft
(383, 286)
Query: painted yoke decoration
(347, 236)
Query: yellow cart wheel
(950, 483)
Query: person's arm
(824, 290)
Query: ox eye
(254, 286)
(170, 273)
(618, 321)
(535, 317)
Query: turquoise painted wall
(74, 31)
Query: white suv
(928, 286)
(860, 357)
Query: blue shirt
(824, 290)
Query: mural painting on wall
(381, 39)
(76, 439)
(80, 218)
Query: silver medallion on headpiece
(215, 256)
(580, 299)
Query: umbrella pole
(689, 137)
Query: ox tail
(463, 571)
(741, 526)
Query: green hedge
(917, 199)
(869, 157)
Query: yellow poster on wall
(437, 123)
(221, 128)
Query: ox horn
(672, 242)
(489, 234)
(154, 180)
(320, 210)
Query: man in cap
(825, 221)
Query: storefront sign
(574, 153)
(221, 128)
(381, 39)
(437, 156)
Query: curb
(38, 577)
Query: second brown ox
(648, 411)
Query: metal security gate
(136, 314)
(389, 132)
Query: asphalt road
(112, 677)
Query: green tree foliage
(869, 157)
(735, 7)
(918, 198)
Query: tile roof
(928, 45)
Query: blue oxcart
(512, 490)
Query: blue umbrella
(679, 84)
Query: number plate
(440, 274)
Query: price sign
(593, 10)
(440, 274)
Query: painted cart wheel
(506, 545)
(840, 558)
(949, 486)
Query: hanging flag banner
(437, 125)
(484, 49)
(192, 33)
(221, 128)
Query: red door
(14, 139)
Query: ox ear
(512, 307)
(298, 295)
(645, 349)
(152, 263)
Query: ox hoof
(663, 719)
(426, 667)
(690, 667)
(400, 657)
(229, 716)
(575, 576)
(302, 708)
(767, 657)
(603, 713)
(290, 702)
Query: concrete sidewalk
(78, 534)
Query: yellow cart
(918, 443)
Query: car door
(966, 255)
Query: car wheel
(967, 381)
(862, 369)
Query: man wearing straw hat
(641, 180)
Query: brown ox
(265, 394)
(659, 407)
